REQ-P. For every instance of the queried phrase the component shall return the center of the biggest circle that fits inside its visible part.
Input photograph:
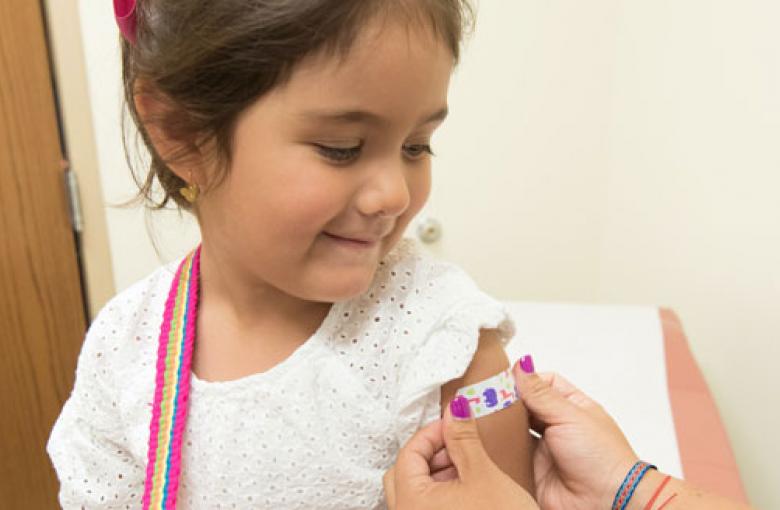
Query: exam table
(636, 362)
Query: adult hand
(582, 456)
(428, 477)
(579, 461)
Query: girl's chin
(347, 284)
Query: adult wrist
(628, 495)
(615, 479)
(644, 491)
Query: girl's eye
(338, 154)
(416, 151)
(346, 154)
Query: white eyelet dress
(316, 431)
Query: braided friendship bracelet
(649, 505)
(629, 485)
(663, 505)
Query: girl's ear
(158, 117)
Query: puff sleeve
(87, 445)
(446, 351)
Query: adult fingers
(567, 389)
(445, 475)
(388, 481)
(461, 437)
(441, 460)
(414, 459)
(412, 467)
(545, 405)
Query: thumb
(461, 438)
(388, 482)
(546, 406)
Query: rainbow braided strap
(172, 387)
(491, 395)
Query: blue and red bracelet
(629, 485)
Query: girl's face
(339, 150)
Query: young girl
(284, 362)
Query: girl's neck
(245, 327)
(246, 302)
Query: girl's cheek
(420, 191)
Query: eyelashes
(421, 149)
(338, 154)
(346, 154)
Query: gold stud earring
(190, 192)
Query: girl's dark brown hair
(208, 60)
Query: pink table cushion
(705, 451)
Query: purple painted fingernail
(459, 408)
(527, 364)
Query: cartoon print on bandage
(491, 395)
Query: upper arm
(504, 433)
(94, 468)
(88, 446)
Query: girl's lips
(350, 242)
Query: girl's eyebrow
(362, 116)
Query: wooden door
(42, 313)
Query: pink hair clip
(124, 10)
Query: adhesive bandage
(491, 395)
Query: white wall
(139, 241)
(627, 152)
(693, 218)
(606, 151)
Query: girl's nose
(386, 192)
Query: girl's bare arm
(504, 433)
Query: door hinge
(74, 202)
